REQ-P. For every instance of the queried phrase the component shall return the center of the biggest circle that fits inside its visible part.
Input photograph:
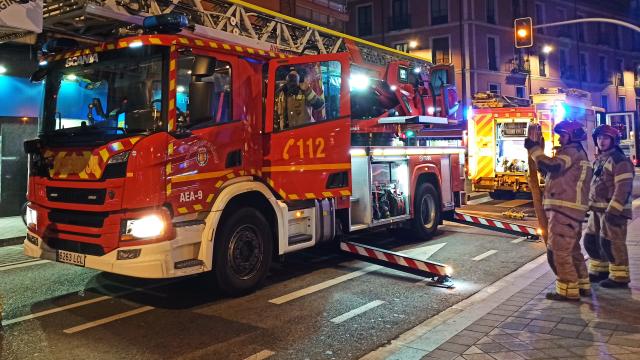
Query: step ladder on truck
(207, 160)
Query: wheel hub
(245, 252)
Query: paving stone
(472, 334)
(542, 344)
(558, 352)
(516, 303)
(568, 343)
(627, 356)
(485, 340)
(570, 327)
(603, 325)
(517, 345)
(494, 317)
(456, 348)
(462, 340)
(503, 338)
(478, 357)
(624, 341)
(501, 312)
(532, 354)
(538, 329)
(594, 337)
(483, 322)
(480, 328)
(507, 355)
(518, 320)
(491, 347)
(573, 321)
(473, 350)
(527, 314)
(628, 328)
(565, 333)
(512, 326)
(508, 307)
(543, 323)
(598, 350)
(442, 355)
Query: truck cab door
(307, 134)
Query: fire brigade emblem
(202, 157)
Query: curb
(11, 241)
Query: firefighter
(610, 202)
(565, 203)
(295, 102)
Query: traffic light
(523, 32)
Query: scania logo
(81, 60)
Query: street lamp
(413, 44)
(547, 49)
(3, 69)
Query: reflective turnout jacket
(568, 175)
(612, 183)
(296, 108)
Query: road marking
(482, 256)
(107, 320)
(23, 264)
(520, 239)
(75, 305)
(423, 252)
(55, 310)
(261, 355)
(356, 312)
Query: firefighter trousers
(565, 255)
(605, 243)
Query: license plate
(70, 257)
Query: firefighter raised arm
(295, 102)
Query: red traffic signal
(523, 32)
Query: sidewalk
(12, 230)
(515, 321)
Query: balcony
(399, 22)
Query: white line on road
(55, 310)
(23, 264)
(323, 285)
(520, 239)
(109, 319)
(423, 252)
(356, 312)
(261, 355)
(482, 256)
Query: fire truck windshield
(106, 94)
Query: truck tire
(427, 212)
(242, 252)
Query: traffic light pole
(575, 21)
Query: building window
(622, 103)
(616, 37)
(520, 92)
(602, 34)
(492, 53)
(439, 12)
(602, 69)
(402, 46)
(565, 30)
(364, 18)
(620, 72)
(581, 30)
(491, 12)
(494, 88)
(564, 66)
(400, 18)
(583, 67)
(539, 17)
(604, 102)
(441, 50)
(542, 65)
(516, 6)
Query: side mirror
(38, 75)
(203, 66)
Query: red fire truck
(165, 155)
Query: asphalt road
(55, 311)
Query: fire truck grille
(76, 196)
(76, 247)
(78, 218)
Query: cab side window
(203, 91)
(306, 93)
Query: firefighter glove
(530, 144)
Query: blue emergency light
(171, 23)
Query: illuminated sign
(81, 60)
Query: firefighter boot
(565, 291)
(618, 277)
(598, 270)
(610, 284)
(584, 286)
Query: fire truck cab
(169, 155)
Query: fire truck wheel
(242, 252)
(426, 209)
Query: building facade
(477, 37)
(328, 13)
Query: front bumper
(156, 260)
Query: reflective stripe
(536, 153)
(565, 204)
(569, 290)
(585, 166)
(597, 266)
(566, 159)
(600, 204)
(623, 177)
(311, 96)
(616, 205)
(608, 166)
(584, 284)
(618, 272)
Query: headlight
(146, 227)
(31, 218)
(119, 158)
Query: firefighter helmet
(573, 128)
(607, 130)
